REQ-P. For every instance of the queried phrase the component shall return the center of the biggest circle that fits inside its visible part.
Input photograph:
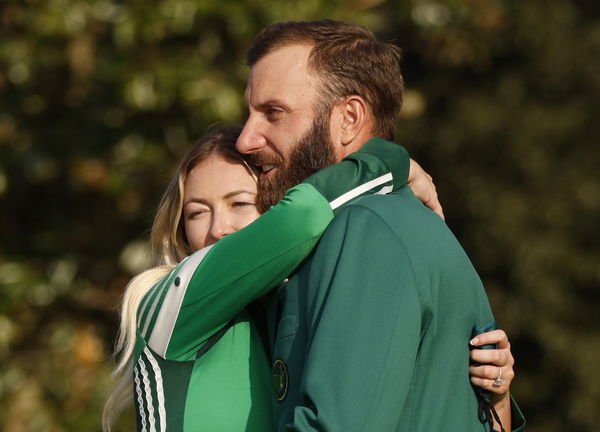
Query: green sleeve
(215, 284)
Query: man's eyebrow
(270, 103)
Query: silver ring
(499, 381)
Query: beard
(313, 152)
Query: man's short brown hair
(349, 60)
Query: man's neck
(355, 145)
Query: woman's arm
(213, 285)
(423, 187)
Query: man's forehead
(280, 74)
(286, 56)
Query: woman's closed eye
(196, 213)
(241, 204)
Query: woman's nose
(220, 227)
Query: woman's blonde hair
(169, 246)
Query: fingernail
(474, 341)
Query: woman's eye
(242, 204)
(196, 213)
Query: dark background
(99, 99)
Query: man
(371, 334)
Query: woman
(187, 338)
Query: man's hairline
(314, 73)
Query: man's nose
(251, 140)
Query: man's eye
(272, 113)
(242, 204)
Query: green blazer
(372, 333)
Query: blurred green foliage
(99, 99)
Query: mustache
(265, 159)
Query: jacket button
(177, 281)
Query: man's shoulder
(400, 213)
(395, 205)
(371, 208)
(363, 216)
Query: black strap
(487, 413)
(214, 339)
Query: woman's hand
(422, 186)
(493, 371)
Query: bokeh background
(99, 99)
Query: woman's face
(219, 198)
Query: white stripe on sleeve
(160, 392)
(148, 391)
(384, 190)
(152, 308)
(361, 189)
(169, 311)
(140, 400)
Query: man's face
(284, 135)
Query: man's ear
(355, 119)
